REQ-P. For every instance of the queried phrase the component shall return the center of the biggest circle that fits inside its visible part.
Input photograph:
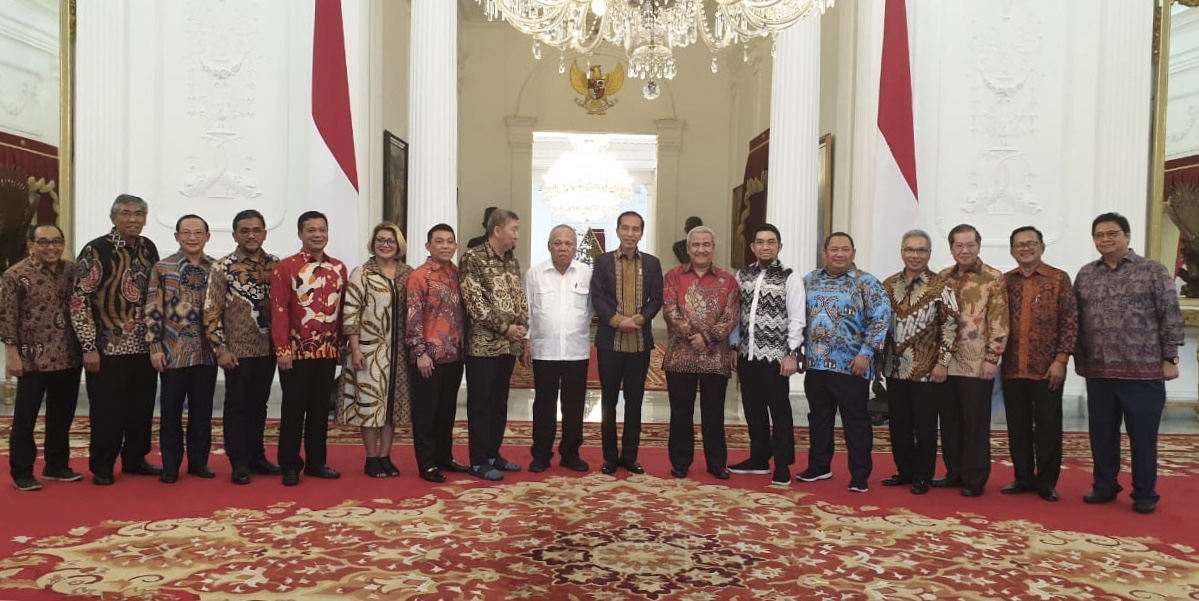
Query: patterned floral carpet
(551, 536)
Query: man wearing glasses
(180, 352)
(42, 354)
(1044, 328)
(981, 340)
(108, 314)
(237, 318)
(920, 343)
(1130, 328)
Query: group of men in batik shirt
(939, 339)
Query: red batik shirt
(306, 296)
(436, 315)
(708, 305)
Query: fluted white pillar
(791, 202)
(101, 115)
(433, 120)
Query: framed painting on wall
(740, 221)
(395, 181)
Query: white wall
(205, 107)
(29, 76)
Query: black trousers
(550, 377)
(827, 393)
(966, 430)
(196, 385)
(619, 370)
(61, 390)
(120, 401)
(766, 398)
(434, 404)
(247, 389)
(304, 415)
(912, 407)
(1139, 404)
(681, 389)
(487, 381)
(1034, 425)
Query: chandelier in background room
(587, 184)
(648, 30)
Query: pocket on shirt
(581, 299)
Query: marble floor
(1179, 419)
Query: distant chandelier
(648, 30)
(587, 184)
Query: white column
(432, 121)
(101, 115)
(791, 202)
(520, 148)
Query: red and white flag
(896, 201)
(333, 168)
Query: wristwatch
(1173, 360)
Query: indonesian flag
(333, 169)
(896, 201)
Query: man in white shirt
(559, 323)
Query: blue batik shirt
(848, 315)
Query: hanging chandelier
(648, 30)
(587, 184)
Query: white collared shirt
(559, 311)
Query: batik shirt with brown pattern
(494, 295)
(34, 315)
(108, 307)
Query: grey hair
(916, 234)
(562, 226)
(125, 200)
(701, 229)
(499, 218)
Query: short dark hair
(621, 217)
(962, 229)
(487, 214)
(33, 230)
(828, 238)
(499, 218)
(441, 227)
(247, 214)
(1025, 228)
(767, 227)
(179, 222)
(308, 216)
(692, 222)
(1117, 218)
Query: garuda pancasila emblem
(597, 88)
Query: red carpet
(557, 534)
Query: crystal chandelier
(648, 30)
(587, 184)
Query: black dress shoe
(575, 465)
(720, 474)
(105, 479)
(678, 472)
(1144, 506)
(1049, 495)
(946, 482)
(897, 480)
(291, 477)
(324, 472)
(241, 475)
(454, 467)
(433, 475)
(609, 467)
(972, 491)
(919, 486)
(633, 467)
(1097, 498)
(538, 466)
(264, 467)
(201, 471)
(1016, 488)
(168, 477)
(145, 468)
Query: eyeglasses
(914, 251)
(47, 243)
(386, 241)
(192, 234)
(1108, 235)
(132, 214)
(961, 247)
(1027, 245)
